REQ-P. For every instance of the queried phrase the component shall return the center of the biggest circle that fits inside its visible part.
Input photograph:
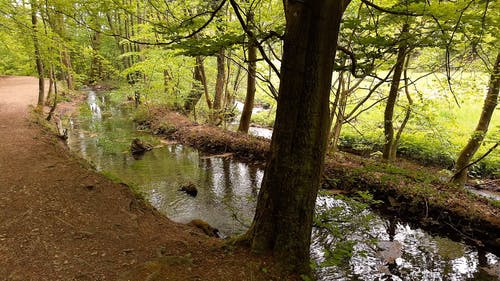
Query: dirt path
(60, 221)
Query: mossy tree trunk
(246, 114)
(283, 220)
(490, 103)
(199, 87)
(389, 152)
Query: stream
(378, 248)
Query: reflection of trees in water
(391, 225)
(228, 185)
(252, 174)
(423, 258)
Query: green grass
(438, 129)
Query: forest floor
(61, 221)
(410, 191)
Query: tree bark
(199, 87)
(490, 103)
(388, 153)
(95, 64)
(246, 114)
(338, 108)
(219, 87)
(285, 207)
(397, 138)
(38, 56)
(52, 81)
(58, 25)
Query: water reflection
(403, 253)
(383, 249)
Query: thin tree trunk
(339, 122)
(395, 143)
(167, 79)
(96, 64)
(227, 89)
(203, 77)
(283, 219)
(117, 33)
(51, 84)
(246, 114)
(393, 96)
(197, 89)
(66, 59)
(219, 87)
(38, 56)
(338, 109)
(477, 137)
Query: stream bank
(62, 221)
(370, 246)
(414, 192)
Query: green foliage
(263, 118)
(438, 129)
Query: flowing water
(376, 248)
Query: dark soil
(62, 221)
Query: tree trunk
(388, 153)
(52, 82)
(246, 114)
(285, 207)
(95, 64)
(339, 122)
(199, 87)
(395, 143)
(477, 137)
(167, 78)
(338, 108)
(38, 57)
(219, 87)
(58, 24)
(117, 35)
(202, 78)
(69, 70)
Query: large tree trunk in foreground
(38, 56)
(389, 152)
(477, 137)
(246, 114)
(283, 220)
